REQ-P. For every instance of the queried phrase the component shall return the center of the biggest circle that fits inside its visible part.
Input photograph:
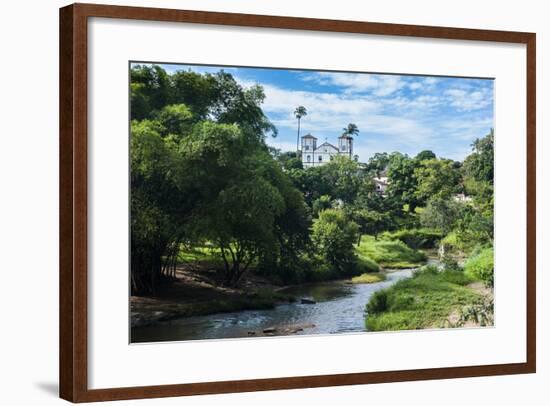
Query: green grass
(366, 263)
(423, 301)
(369, 278)
(481, 266)
(389, 254)
(415, 238)
(200, 254)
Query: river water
(339, 308)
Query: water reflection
(339, 308)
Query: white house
(381, 184)
(314, 155)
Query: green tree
(159, 201)
(436, 178)
(289, 160)
(334, 236)
(245, 198)
(322, 203)
(236, 105)
(176, 119)
(480, 164)
(300, 112)
(370, 222)
(200, 92)
(378, 163)
(150, 90)
(442, 214)
(425, 155)
(351, 130)
(402, 181)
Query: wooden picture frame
(74, 201)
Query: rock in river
(270, 330)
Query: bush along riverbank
(436, 298)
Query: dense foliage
(201, 171)
(203, 175)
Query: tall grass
(425, 300)
(415, 238)
(390, 254)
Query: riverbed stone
(270, 330)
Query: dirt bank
(197, 292)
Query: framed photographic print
(256, 191)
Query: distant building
(381, 184)
(315, 155)
(461, 197)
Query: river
(339, 308)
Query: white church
(314, 155)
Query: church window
(320, 158)
(309, 158)
(307, 147)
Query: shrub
(378, 302)
(334, 235)
(450, 264)
(481, 266)
(415, 238)
(480, 312)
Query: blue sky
(393, 112)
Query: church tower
(309, 145)
(345, 145)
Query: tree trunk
(298, 140)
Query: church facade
(315, 155)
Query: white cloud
(464, 100)
(431, 81)
(378, 85)
(397, 122)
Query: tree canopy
(202, 174)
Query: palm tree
(351, 129)
(299, 113)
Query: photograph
(269, 202)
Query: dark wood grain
(66, 131)
(73, 200)
(531, 203)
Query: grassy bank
(423, 301)
(389, 254)
(369, 278)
